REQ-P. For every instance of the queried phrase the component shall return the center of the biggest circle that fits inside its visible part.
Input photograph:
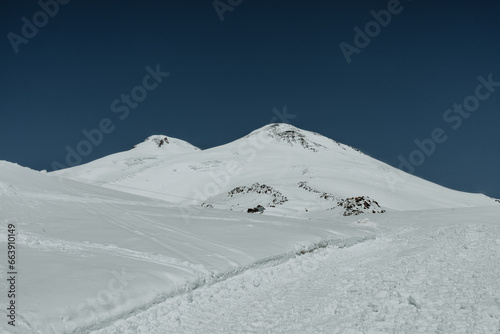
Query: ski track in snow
(415, 280)
(217, 277)
(43, 243)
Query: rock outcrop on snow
(323, 195)
(359, 205)
(277, 198)
(258, 208)
(293, 136)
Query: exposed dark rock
(323, 195)
(160, 141)
(358, 205)
(292, 137)
(276, 195)
(258, 208)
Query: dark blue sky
(227, 76)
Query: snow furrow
(215, 278)
(432, 280)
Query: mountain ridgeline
(279, 168)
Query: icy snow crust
(95, 259)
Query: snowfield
(438, 278)
(123, 245)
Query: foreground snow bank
(437, 277)
(87, 255)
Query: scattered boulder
(258, 208)
(323, 195)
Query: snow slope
(301, 170)
(155, 150)
(95, 259)
(431, 277)
(88, 254)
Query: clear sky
(65, 72)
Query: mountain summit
(289, 134)
(161, 143)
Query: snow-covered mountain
(185, 257)
(284, 169)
